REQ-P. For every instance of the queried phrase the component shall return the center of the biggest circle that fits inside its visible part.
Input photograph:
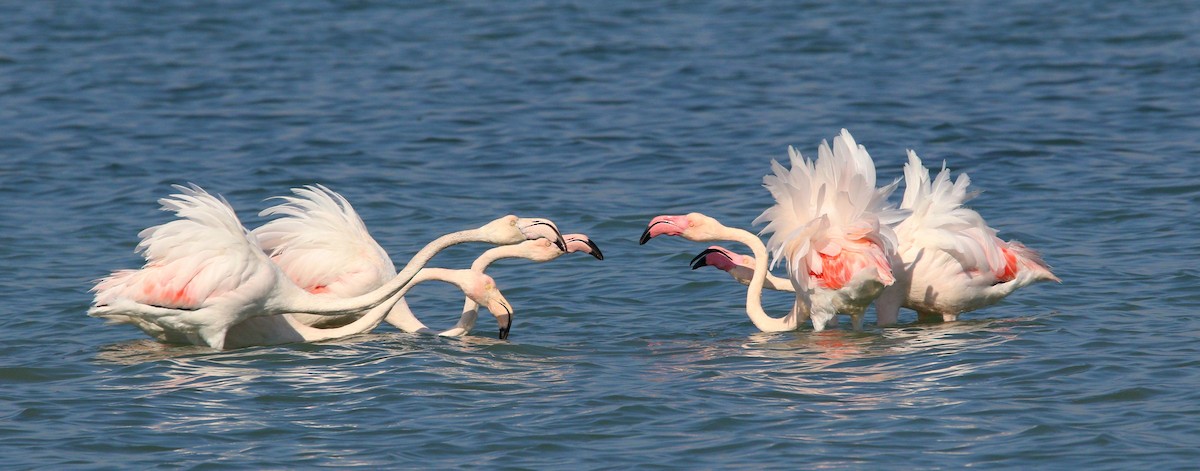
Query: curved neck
(495, 253)
(470, 310)
(754, 307)
(302, 301)
(375, 316)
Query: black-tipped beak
(646, 234)
(505, 320)
(505, 325)
(701, 260)
(595, 250)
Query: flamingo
(834, 229)
(832, 226)
(951, 261)
(205, 273)
(540, 250)
(698, 227)
(323, 246)
(285, 328)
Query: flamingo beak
(646, 235)
(701, 260)
(594, 250)
(505, 325)
(503, 314)
(663, 225)
(542, 229)
(580, 243)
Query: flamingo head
(538, 250)
(483, 291)
(512, 230)
(721, 258)
(581, 243)
(695, 227)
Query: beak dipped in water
(503, 312)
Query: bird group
(845, 247)
(315, 273)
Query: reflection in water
(472, 361)
(914, 362)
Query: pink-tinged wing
(829, 220)
(323, 245)
(190, 262)
(940, 222)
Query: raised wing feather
(190, 262)
(827, 210)
(939, 220)
(323, 245)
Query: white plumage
(832, 226)
(950, 260)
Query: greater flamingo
(205, 273)
(833, 226)
(830, 223)
(539, 250)
(323, 246)
(951, 262)
(272, 330)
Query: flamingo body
(950, 261)
(205, 273)
(323, 245)
(833, 227)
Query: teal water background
(1079, 120)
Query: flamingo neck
(302, 301)
(376, 314)
(470, 310)
(754, 308)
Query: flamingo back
(323, 245)
(829, 221)
(191, 261)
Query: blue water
(1079, 120)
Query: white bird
(833, 227)
(540, 250)
(323, 246)
(951, 262)
(830, 223)
(273, 330)
(205, 273)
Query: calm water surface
(1078, 119)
